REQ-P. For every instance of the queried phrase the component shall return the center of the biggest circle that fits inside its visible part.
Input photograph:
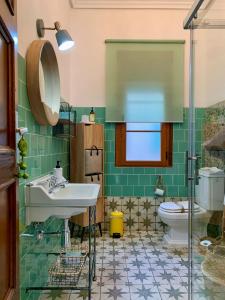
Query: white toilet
(209, 197)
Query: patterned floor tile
(174, 296)
(167, 273)
(57, 295)
(141, 266)
(114, 265)
(115, 292)
(145, 293)
(182, 273)
(118, 282)
(141, 278)
(83, 295)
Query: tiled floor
(138, 266)
(141, 266)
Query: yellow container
(116, 224)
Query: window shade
(144, 81)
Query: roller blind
(144, 81)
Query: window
(144, 144)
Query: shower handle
(196, 177)
(187, 177)
(196, 158)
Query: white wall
(50, 11)
(82, 70)
(209, 66)
(90, 28)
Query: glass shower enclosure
(206, 22)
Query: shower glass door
(206, 22)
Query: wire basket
(67, 269)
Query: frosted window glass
(143, 146)
(144, 126)
(144, 81)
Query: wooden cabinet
(92, 135)
(87, 165)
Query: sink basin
(42, 213)
(80, 194)
(62, 202)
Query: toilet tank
(210, 192)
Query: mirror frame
(41, 52)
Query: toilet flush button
(205, 243)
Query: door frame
(7, 28)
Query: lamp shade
(64, 40)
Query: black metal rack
(49, 259)
(67, 118)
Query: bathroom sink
(76, 194)
(72, 195)
(62, 201)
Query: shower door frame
(192, 23)
(191, 156)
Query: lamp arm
(41, 28)
(48, 28)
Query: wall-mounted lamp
(63, 38)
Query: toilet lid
(177, 207)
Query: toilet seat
(177, 207)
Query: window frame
(166, 147)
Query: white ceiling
(173, 4)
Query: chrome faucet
(53, 184)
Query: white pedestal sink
(63, 201)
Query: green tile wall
(44, 151)
(127, 181)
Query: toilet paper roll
(159, 192)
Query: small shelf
(67, 118)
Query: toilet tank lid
(211, 172)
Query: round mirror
(43, 83)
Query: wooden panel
(95, 179)
(93, 161)
(93, 135)
(73, 160)
(87, 136)
(100, 210)
(8, 185)
(4, 242)
(223, 224)
(77, 156)
(83, 219)
(3, 91)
